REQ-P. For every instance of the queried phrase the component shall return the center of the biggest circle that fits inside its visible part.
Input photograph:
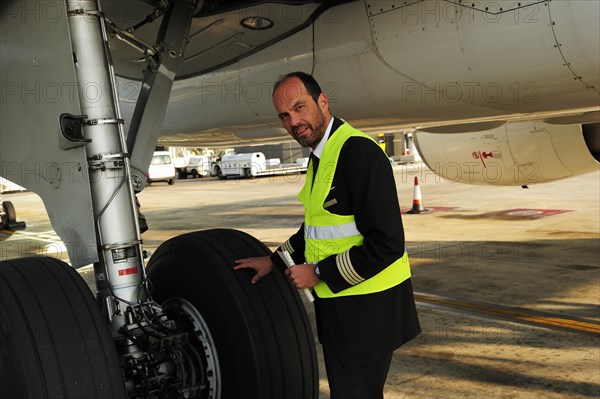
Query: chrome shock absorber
(120, 272)
(164, 351)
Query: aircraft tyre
(262, 334)
(54, 341)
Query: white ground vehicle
(198, 166)
(181, 158)
(8, 215)
(189, 162)
(255, 164)
(7, 186)
(161, 168)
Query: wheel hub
(169, 353)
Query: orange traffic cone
(417, 206)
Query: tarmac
(507, 279)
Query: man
(351, 247)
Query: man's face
(304, 119)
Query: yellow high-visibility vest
(327, 234)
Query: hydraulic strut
(166, 352)
(120, 272)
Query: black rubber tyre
(248, 173)
(220, 174)
(195, 174)
(10, 214)
(262, 334)
(54, 342)
(170, 182)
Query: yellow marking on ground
(522, 315)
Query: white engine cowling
(513, 154)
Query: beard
(310, 134)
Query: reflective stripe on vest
(328, 234)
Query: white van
(161, 168)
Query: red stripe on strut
(128, 271)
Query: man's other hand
(303, 276)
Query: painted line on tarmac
(514, 314)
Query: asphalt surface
(507, 279)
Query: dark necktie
(315, 162)
(315, 166)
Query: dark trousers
(363, 382)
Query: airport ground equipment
(8, 214)
(254, 164)
(191, 327)
(189, 162)
(161, 168)
(197, 166)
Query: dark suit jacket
(362, 328)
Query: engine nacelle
(512, 154)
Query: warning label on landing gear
(128, 271)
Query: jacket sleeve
(295, 246)
(365, 187)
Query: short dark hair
(311, 85)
